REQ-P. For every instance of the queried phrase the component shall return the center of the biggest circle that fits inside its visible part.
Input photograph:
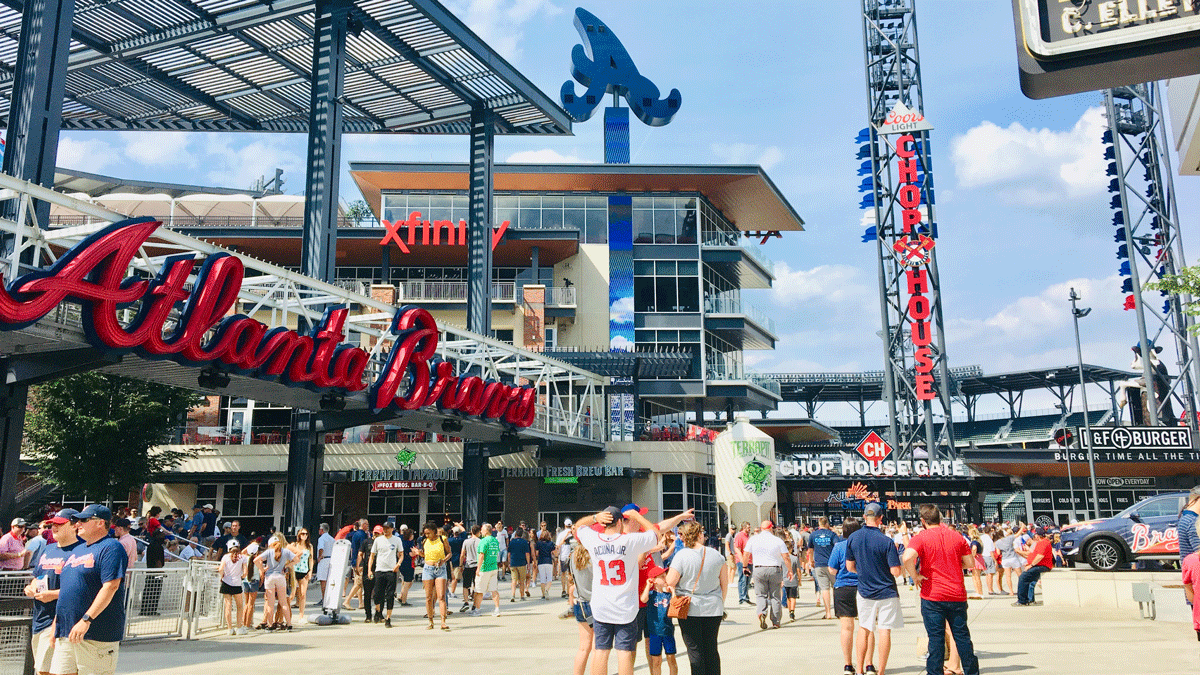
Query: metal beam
(35, 115)
(319, 246)
(479, 230)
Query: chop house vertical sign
(913, 250)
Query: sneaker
(464, 609)
(242, 630)
(869, 669)
(762, 621)
(1019, 604)
(496, 612)
(387, 623)
(473, 612)
(233, 631)
(378, 618)
(512, 599)
(849, 670)
(567, 614)
(792, 616)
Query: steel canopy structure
(215, 65)
(321, 67)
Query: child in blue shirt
(660, 631)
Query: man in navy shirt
(872, 555)
(821, 543)
(45, 584)
(519, 559)
(90, 616)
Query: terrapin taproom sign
(204, 332)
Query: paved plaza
(529, 638)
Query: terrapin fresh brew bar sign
(94, 273)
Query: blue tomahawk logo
(603, 66)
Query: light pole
(1070, 481)
(1076, 314)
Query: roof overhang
(744, 194)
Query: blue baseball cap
(63, 517)
(95, 511)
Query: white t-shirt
(766, 550)
(989, 547)
(387, 551)
(502, 539)
(615, 572)
(234, 571)
(325, 545)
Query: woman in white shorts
(1010, 562)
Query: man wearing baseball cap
(614, 554)
(872, 555)
(45, 586)
(12, 546)
(1039, 561)
(90, 617)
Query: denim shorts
(622, 636)
(583, 612)
(431, 572)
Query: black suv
(1144, 531)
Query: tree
(96, 434)
(358, 211)
(1187, 282)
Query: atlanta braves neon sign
(93, 273)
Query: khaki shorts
(520, 574)
(485, 582)
(89, 657)
(43, 650)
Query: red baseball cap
(654, 571)
(378, 529)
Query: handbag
(680, 604)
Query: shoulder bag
(680, 604)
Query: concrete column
(534, 320)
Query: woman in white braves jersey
(614, 553)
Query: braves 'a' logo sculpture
(603, 66)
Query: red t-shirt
(1042, 547)
(152, 525)
(739, 543)
(941, 551)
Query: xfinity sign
(1138, 438)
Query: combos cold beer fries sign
(204, 332)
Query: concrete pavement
(529, 638)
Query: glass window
(664, 226)
(643, 267)
(643, 294)
(574, 201)
(530, 201)
(552, 218)
(597, 203)
(688, 267)
(597, 226)
(575, 219)
(643, 226)
(666, 294)
(530, 219)
(665, 267)
(1167, 506)
(552, 202)
(689, 294)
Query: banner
(745, 471)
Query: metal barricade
(155, 602)
(205, 611)
(15, 612)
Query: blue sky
(1022, 208)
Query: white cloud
(835, 284)
(1033, 167)
(621, 311)
(159, 148)
(746, 153)
(240, 166)
(620, 343)
(89, 155)
(545, 156)
(1034, 316)
(501, 22)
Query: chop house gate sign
(94, 273)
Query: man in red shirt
(935, 559)
(739, 545)
(1039, 561)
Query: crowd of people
(78, 562)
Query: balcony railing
(715, 304)
(557, 296)
(720, 367)
(184, 221)
(734, 239)
(270, 435)
(452, 291)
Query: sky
(1022, 204)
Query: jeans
(936, 615)
(743, 585)
(1027, 583)
(700, 636)
(767, 582)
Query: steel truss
(894, 74)
(1148, 235)
(567, 395)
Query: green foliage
(358, 211)
(1187, 282)
(96, 434)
